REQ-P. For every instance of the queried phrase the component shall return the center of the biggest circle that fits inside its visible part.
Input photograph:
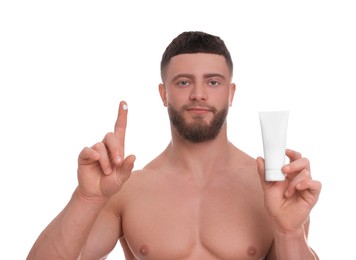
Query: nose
(199, 92)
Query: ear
(163, 93)
(232, 92)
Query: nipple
(144, 250)
(251, 251)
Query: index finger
(120, 126)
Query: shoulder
(121, 199)
(242, 158)
(245, 169)
(139, 181)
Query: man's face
(197, 90)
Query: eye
(183, 83)
(214, 83)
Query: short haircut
(195, 42)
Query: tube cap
(274, 175)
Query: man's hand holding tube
(289, 202)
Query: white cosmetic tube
(274, 135)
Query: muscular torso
(168, 214)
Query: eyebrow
(207, 75)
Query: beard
(199, 130)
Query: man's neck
(201, 156)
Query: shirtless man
(201, 198)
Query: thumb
(126, 168)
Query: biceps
(103, 236)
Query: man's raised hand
(103, 168)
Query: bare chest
(218, 222)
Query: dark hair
(195, 42)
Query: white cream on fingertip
(274, 135)
(125, 107)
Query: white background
(65, 65)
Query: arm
(101, 173)
(64, 236)
(289, 204)
(105, 232)
(294, 245)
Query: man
(201, 198)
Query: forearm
(66, 235)
(293, 246)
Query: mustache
(199, 104)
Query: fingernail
(108, 171)
(118, 159)
(124, 107)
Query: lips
(199, 108)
